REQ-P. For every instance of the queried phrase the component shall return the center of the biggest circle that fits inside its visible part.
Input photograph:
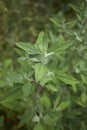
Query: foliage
(47, 90)
(22, 20)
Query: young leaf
(67, 79)
(40, 39)
(71, 24)
(51, 88)
(63, 105)
(60, 46)
(40, 71)
(28, 48)
(57, 23)
(42, 42)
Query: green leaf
(48, 120)
(40, 71)
(13, 105)
(57, 23)
(51, 88)
(67, 79)
(56, 102)
(84, 78)
(71, 24)
(60, 46)
(48, 77)
(40, 39)
(11, 95)
(28, 48)
(84, 97)
(80, 103)
(42, 42)
(63, 105)
(74, 7)
(36, 119)
(38, 127)
(19, 52)
(26, 89)
(14, 77)
(45, 101)
(26, 116)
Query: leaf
(28, 48)
(84, 97)
(14, 77)
(40, 39)
(79, 11)
(67, 79)
(56, 102)
(40, 71)
(19, 52)
(71, 24)
(80, 103)
(48, 120)
(48, 77)
(74, 7)
(26, 89)
(52, 88)
(63, 105)
(56, 22)
(84, 78)
(13, 105)
(45, 101)
(11, 95)
(42, 42)
(60, 46)
(36, 119)
(26, 116)
(38, 127)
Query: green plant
(48, 88)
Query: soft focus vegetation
(22, 20)
(43, 65)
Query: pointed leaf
(60, 46)
(57, 23)
(40, 39)
(11, 95)
(63, 105)
(68, 79)
(51, 88)
(27, 47)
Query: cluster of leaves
(48, 88)
(22, 21)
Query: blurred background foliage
(22, 20)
